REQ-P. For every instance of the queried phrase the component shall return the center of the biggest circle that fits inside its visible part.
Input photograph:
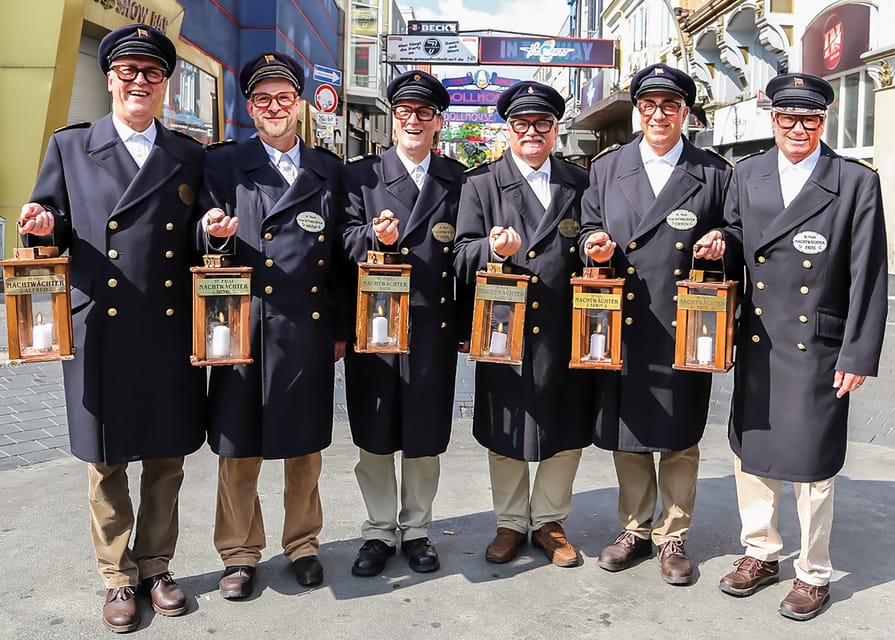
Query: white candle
(42, 337)
(498, 346)
(380, 330)
(597, 346)
(220, 341)
(705, 350)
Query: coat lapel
(161, 165)
(435, 189)
(635, 186)
(512, 188)
(397, 181)
(562, 195)
(306, 184)
(107, 150)
(686, 178)
(256, 164)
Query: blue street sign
(325, 74)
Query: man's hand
(36, 220)
(339, 350)
(218, 224)
(385, 226)
(505, 241)
(846, 382)
(599, 247)
(710, 246)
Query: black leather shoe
(308, 571)
(371, 558)
(421, 555)
(237, 582)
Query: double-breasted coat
(541, 407)
(648, 406)
(130, 391)
(815, 302)
(404, 402)
(280, 406)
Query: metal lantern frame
(498, 316)
(222, 303)
(706, 305)
(597, 319)
(382, 322)
(37, 281)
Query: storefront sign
(471, 116)
(741, 122)
(835, 40)
(430, 49)
(136, 12)
(558, 52)
(419, 27)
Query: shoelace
(811, 589)
(123, 594)
(672, 548)
(627, 538)
(748, 564)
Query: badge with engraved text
(810, 242)
(569, 227)
(310, 221)
(681, 219)
(186, 194)
(443, 232)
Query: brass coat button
(629, 321)
(679, 246)
(801, 347)
(674, 323)
(536, 329)
(803, 319)
(674, 298)
(169, 284)
(532, 254)
(315, 315)
(759, 285)
(112, 312)
(535, 280)
(630, 295)
(445, 249)
(404, 251)
(268, 236)
(762, 259)
(677, 272)
(169, 226)
(169, 254)
(806, 264)
(572, 249)
(314, 289)
(112, 254)
(169, 312)
(631, 271)
(632, 245)
(112, 282)
(443, 300)
(758, 311)
(113, 224)
(321, 238)
(444, 274)
(268, 289)
(268, 263)
(535, 304)
(444, 325)
(756, 339)
(321, 262)
(804, 290)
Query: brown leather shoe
(505, 546)
(167, 597)
(804, 601)
(120, 613)
(676, 568)
(552, 539)
(237, 582)
(751, 573)
(624, 552)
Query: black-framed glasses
(522, 126)
(668, 107)
(423, 114)
(284, 99)
(128, 73)
(788, 121)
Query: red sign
(835, 40)
(832, 42)
(326, 98)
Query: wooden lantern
(498, 317)
(705, 322)
(383, 304)
(222, 302)
(38, 305)
(597, 319)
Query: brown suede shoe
(237, 582)
(505, 546)
(676, 568)
(804, 601)
(167, 597)
(751, 573)
(624, 552)
(552, 539)
(120, 613)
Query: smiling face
(660, 130)
(135, 102)
(276, 124)
(414, 137)
(796, 142)
(532, 147)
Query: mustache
(534, 138)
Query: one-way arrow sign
(325, 74)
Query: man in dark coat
(281, 200)
(119, 196)
(406, 200)
(653, 198)
(524, 210)
(810, 226)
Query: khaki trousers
(550, 498)
(112, 520)
(759, 503)
(638, 487)
(238, 523)
(379, 487)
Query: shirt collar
(526, 170)
(126, 133)
(275, 154)
(410, 165)
(647, 154)
(807, 165)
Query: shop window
(191, 103)
(849, 126)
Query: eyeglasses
(423, 114)
(263, 100)
(522, 126)
(127, 73)
(788, 121)
(668, 107)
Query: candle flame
(379, 311)
(40, 318)
(221, 317)
(500, 327)
(705, 330)
(599, 328)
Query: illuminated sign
(565, 52)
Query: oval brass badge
(310, 221)
(681, 219)
(569, 227)
(186, 194)
(810, 242)
(443, 232)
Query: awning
(617, 107)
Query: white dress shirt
(418, 172)
(286, 162)
(539, 179)
(794, 176)
(137, 143)
(658, 168)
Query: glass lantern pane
(219, 333)
(383, 318)
(597, 335)
(500, 337)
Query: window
(849, 128)
(190, 104)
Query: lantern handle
(723, 266)
(19, 235)
(208, 247)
